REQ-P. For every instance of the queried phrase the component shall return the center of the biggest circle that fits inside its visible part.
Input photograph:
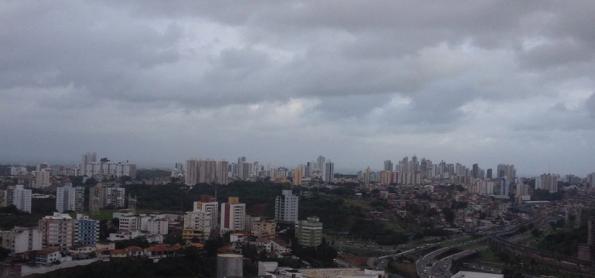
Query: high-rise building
(42, 178)
(21, 239)
(548, 182)
(19, 197)
(329, 172)
(475, 171)
(96, 197)
(198, 224)
(591, 181)
(115, 197)
(388, 165)
(298, 175)
(309, 232)
(86, 231)
(506, 171)
(233, 215)
(87, 162)
(320, 163)
(57, 231)
(287, 207)
(70, 198)
(209, 205)
(386, 177)
(206, 171)
(489, 174)
(366, 176)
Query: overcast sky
(277, 81)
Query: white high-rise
(287, 207)
(42, 178)
(70, 198)
(19, 197)
(548, 182)
(233, 215)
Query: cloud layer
(279, 81)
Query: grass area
(487, 255)
(103, 215)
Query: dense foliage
(193, 264)
(259, 196)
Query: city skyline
(157, 83)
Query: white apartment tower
(19, 197)
(70, 198)
(233, 215)
(287, 207)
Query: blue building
(86, 231)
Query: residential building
(21, 239)
(209, 205)
(57, 231)
(506, 171)
(263, 228)
(70, 198)
(206, 171)
(42, 178)
(298, 175)
(309, 232)
(96, 197)
(233, 215)
(19, 197)
(129, 223)
(548, 182)
(197, 225)
(287, 207)
(155, 226)
(86, 231)
(329, 172)
(388, 165)
(115, 197)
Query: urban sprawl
(412, 218)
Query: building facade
(309, 232)
(287, 207)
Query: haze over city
(485, 82)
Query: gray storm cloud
(280, 81)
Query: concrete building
(70, 198)
(210, 206)
(329, 172)
(297, 175)
(548, 182)
(386, 177)
(21, 239)
(96, 197)
(57, 231)
(230, 266)
(42, 178)
(129, 223)
(287, 207)
(233, 215)
(19, 197)
(155, 226)
(263, 228)
(388, 165)
(203, 220)
(309, 232)
(506, 171)
(206, 171)
(197, 225)
(86, 231)
(115, 197)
